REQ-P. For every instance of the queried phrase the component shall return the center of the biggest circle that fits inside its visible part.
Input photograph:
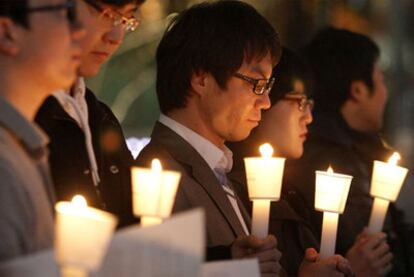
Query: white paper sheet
(236, 268)
(174, 248)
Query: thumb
(311, 255)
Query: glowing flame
(266, 150)
(79, 201)
(394, 158)
(330, 170)
(156, 165)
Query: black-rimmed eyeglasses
(260, 86)
(303, 101)
(69, 6)
(116, 18)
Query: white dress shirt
(219, 160)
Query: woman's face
(284, 125)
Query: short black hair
(214, 37)
(15, 9)
(338, 57)
(291, 68)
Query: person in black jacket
(350, 96)
(88, 152)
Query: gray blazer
(26, 193)
(198, 187)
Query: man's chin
(88, 71)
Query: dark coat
(332, 142)
(198, 186)
(69, 161)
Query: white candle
(387, 180)
(154, 192)
(329, 230)
(264, 180)
(82, 235)
(331, 193)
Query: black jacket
(332, 142)
(69, 161)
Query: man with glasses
(213, 78)
(39, 53)
(89, 155)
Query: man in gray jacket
(38, 54)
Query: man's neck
(355, 120)
(21, 94)
(193, 120)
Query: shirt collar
(28, 133)
(215, 157)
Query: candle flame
(156, 165)
(394, 158)
(330, 170)
(79, 201)
(266, 150)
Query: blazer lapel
(202, 173)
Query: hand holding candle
(153, 192)
(331, 194)
(264, 181)
(387, 180)
(82, 235)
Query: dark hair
(214, 37)
(291, 68)
(338, 57)
(15, 9)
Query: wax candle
(387, 180)
(331, 193)
(264, 180)
(82, 235)
(154, 192)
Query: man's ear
(8, 37)
(359, 91)
(199, 82)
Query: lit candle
(264, 180)
(387, 180)
(154, 192)
(331, 193)
(82, 235)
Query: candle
(154, 192)
(264, 180)
(331, 193)
(82, 235)
(387, 180)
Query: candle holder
(82, 235)
(264, 180)
(153, 192)
(331, 194)
(387, 180)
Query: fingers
(256, 243)
(385, 270)
(381, 250)
(374, 240)
(344, 266)
(384, 263)
(311, 255)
